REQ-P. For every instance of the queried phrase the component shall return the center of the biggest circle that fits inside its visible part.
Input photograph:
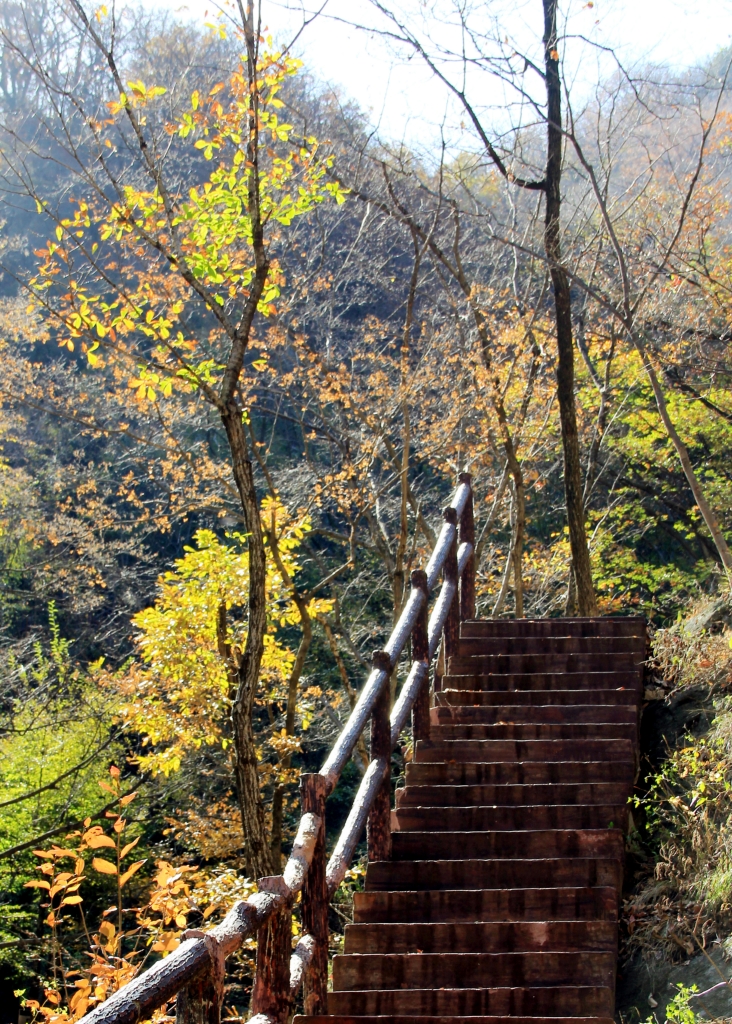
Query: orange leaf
(37, 883)
(114, 771)
(95, 842)
(130, 872)
(130, 846)
(127, 799)
(103, 866)
(69, 901)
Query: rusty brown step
(605, 646)
(514, 664)
(494, 873)
(465, 970)
(504, 819)
(559, 1002)
(607, 842)
(534, 731)
(486, 936)
(622, 697)
(462, 1019)
(525, 750)
(561, 903)
(475, 679)
(428, 772)
(616, 626)
(534, 714)
(511, 796)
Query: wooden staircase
(500, 899)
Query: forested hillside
(247, 347)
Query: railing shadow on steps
(194, 972)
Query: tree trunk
(708, 515)
(286, 763)
(257, 852)
(563, 308)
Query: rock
(640, 982)
(712, 614)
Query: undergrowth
(683, 901)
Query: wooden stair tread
(302, 1019)
(527, 904)
(447, 697)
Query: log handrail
(195, 970)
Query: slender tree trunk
(699, 497)
(257, 853)
(563, 309)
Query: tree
(160, 279)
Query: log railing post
(421, 652)
(467, 536)
(452, 624)
(378, 828)
(201, 1001)
(313, 793)
(271, 992)
(198, 1003)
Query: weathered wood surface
(271, 991)
(314, 790)
(414, 685)
(451, 572)
(466, 535)
(378, 830)
(420, 654)
(355, 822)
(344, 745)
(300, 960)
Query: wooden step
(474, 678)
(534, 731)
(391, 1019)
(525, 750)
(534, 713)
(527, 816)
(544, 843)
(428, 772)
(463, 970)
(555, 904)
(510, 796)
(604, 646)
(558, 1001)
(515, 664)
(615, 626)
(532, 698)
(487, 936)
(494, 873)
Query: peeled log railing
(194, 972)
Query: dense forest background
(402, 328)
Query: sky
(401, 96)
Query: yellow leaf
(104, 867)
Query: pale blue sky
(401, 96)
